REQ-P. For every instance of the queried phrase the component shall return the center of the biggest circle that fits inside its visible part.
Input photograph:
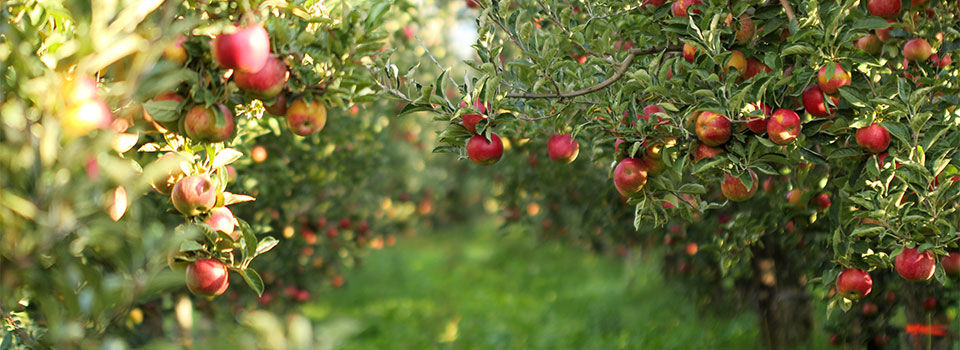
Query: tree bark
(780, 299)
(917, 313)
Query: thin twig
(626, 11)
(621, 69)
(566, 31)
(18, 331)
(535, 119)
(786, 7)
(434, 59)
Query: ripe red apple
(946, 61)
(915, 266)
(917, 50)
(830, 83)
(207, 277)
(209, 124)
(870, 44)
(873, 138)
(884, 34)
(746, 31)
(485, 152)
(679, 7)
(649, 111)
(193, 195)
(689, 52)
(823, 201)
(735, 190)
(278, 107)
(930, 303)
(814, 101)
(470, 121)
(266, 82)
(691, 248)
(703, 151)
(869, 309)
(629, 176)
(759, 124)
(243, 49)
(784, 126)
(472, 4)
(86, 116)
(854, 284)
(654, 3)
(175, 51)
(738, 61)
(713, 129)
(951, 264)
(884, 8)
(754, 67)
(221, 219)
(835, 339)
(563, 148)
(306, 118)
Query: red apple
(738, 61)
(713, 129)
(795, 198)
(629, 176)
(869, 309)
(688, 52)
(78, 89)
(734, 189)
(306, 118)
(650, 110)
(869, 43)
(884, 8)
(884, 34)
(654, 3)
(265, 83)
(472, 4)
(759, 124)
(951, 264)
(278, 107)
(470, 121)
(243, 49)
(823, 201)
(873, 138)
(746, 31)
(207, 277)
(679, 7)
(946, 61)
(754, 67)
(854, 284)
(917, 50)
(563, 148)
(209, 124)
(830, 83)
(930, 303)
(193, 195)
(814, 101)
(784, 126)
(85, 116)
(703, 151)
(691, 248)
(915, 266)
(485, 152)
(221, 219)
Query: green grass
(476, 288)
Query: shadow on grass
(476, 288)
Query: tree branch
(786, 7)
(621, 69)
(19, 332)
(566, 31)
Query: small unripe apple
(193, 195)
(222, 219)
(703, 151)
(207, 277)
(854, 284)
(784, 126)
(915, 266)
(470, 121)
(266, 82)
(306, 118)
(713, 129)
(917, 50)
(814, 101)
(830, 85)
(484, 152)
(209, 124)
(884, 8)
(873, 138)
(738, 61)
(795, 198)
(951, 264)
(165, 182)
(734, 189)
(870, 44)
(689, 52)
(630, 176)
(244, 49)
(175, 51)
(86, 116)
(563, 148)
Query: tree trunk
(780, 299)
(924, 317)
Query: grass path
(478, 289)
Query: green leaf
(253, 280)
(692, 188)
(798, 49)
(870, 23)
(163, 111)
(898, 131)
(266, 244)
